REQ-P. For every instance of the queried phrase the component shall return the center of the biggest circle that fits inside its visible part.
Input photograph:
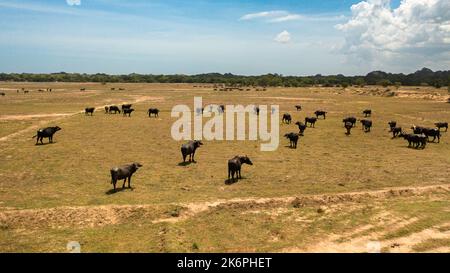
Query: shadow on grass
(233, 181)
(45, 143)
(117, 190)
(187, 163)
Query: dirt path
(92, 216)
(59, 116)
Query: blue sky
(242, 37)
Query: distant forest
(424, 77)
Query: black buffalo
(301, 127)
(2, 94)
(352, 120)
(367, 113)
(311, 121)
(153, 111)
(46, 133)
(366, 124)
(128, 111)
(298, 107)
(396, 131)
(348, 125)
(114, 109)
(321, 113)
(124, 172)
(287, 119)
(126, 106)
(293, 140)
(415, 140)
(440, 125)
(189, 149)
(89, 110)
(392, 124)
(235, 165)
(106, 109)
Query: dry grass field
(334, 193)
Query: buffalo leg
(125, 180)
(129, 182)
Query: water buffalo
(189, 149)
(26, 91)
(128, 111)
(114, 109)
(367, 113)
(366, 124)
(89, 110)
(418, 129)
(415, 140)
(82, 89)
(298, 107)
(320, 113)
(392, 124)
(124, 172)
(46, 133)
(352, 120)
(432, 132)
(440, 125)
(396, 131)
(348, 125)
(106, 109)
(311, 121)
(153, 111)
(301, 127)
(221, 109)
(287, 119)
(235, 165)
(257, 110)
(2, 94)
(293, 140)
(126, 106)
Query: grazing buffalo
(415, 140)
(440, 125)
(106, 109)
(321, 113)
(311, 121)
(89, 110)
(114, 109)
(432, 132)
(235, 165)
(128, 111)
(221, 109)
(46, 133)
(367, 113)
(2, 94)
(428, 132)
(126, 106)
(366, 124)
(124, 172)
(352, 120)
(287, 119)
(257, 110)
(82, 89)
(396, 131)
(392, 124)
(348, 125)
(153, 111)
(26, 91)
(189, 149)
(298, 107)
(301, 127)
(293, 140)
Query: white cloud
(73, 2)
(273, 16)
(378, 34)
(283, 37)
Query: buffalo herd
(417, 139)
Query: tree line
(424, 76)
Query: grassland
(52, 194)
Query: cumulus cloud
(73, 2)
(378, 33)
(274, 16)
(283, 37)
